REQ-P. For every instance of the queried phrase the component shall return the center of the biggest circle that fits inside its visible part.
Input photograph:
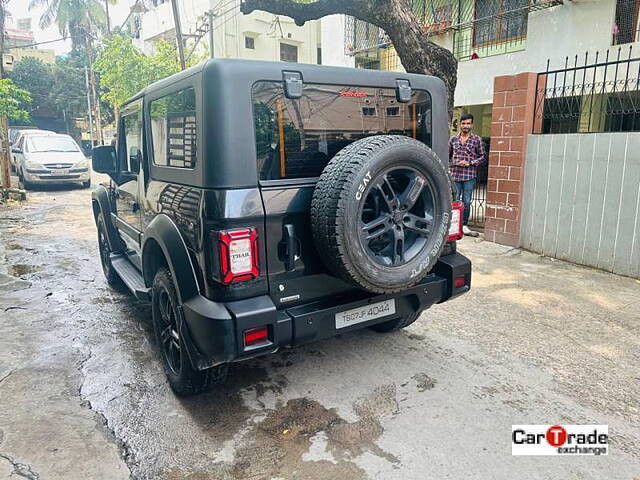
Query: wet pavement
(83, 396)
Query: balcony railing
(478, 21)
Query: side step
(131, 276)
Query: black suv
(261, 205)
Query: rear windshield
(297, 138)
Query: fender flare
(101, 204)
(164, 232)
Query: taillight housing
(455, 230)
(238, 255)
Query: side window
(173, 129)
(131, 148)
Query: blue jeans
(464, 190)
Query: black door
(130, 157)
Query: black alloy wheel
(168, 332)
(168, 325)
(113, 279)
(105, 251)
(397, 216)
(380, 212)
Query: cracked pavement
(83, 395)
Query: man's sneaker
(466, 230)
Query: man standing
(466, 154)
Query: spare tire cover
(381, 211)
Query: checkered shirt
(472, 151)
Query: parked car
(15, 131)
(50, 158)
(16, 135)
(262, 205)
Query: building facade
(491, 38)
(259, 35)
(588, 48)
(19, 42)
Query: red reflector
(459, 282)
(455, 230)
(254, 336)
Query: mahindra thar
(263, 205)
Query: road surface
(83, 396)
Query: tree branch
(417, 53)
(303, 12)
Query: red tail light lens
(459, 282)
(455, 230)
(238, 255)
(254, 336)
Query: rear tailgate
(295, 139)
(296, 273)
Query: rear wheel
(167, 324)
(396, 324)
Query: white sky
(20, 9)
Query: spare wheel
(380, 212)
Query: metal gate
(479, 196)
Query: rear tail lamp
(254, 336)
(238, 255)
(459, 282)
(455, 230)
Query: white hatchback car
(42, 159)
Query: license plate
(60, 172)
(365, 313)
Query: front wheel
(396, 324)
(167, 324)
(25, 184)
(113, 279)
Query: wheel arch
(163, 245)
(100, 204)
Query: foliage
(68, 91)
(124, 70)
(73, 17)
(36, 77)
(11, 100)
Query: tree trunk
(416, 52)
(5, 153)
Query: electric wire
(38, 43)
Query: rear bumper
(214, 332)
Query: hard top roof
(268, 70)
